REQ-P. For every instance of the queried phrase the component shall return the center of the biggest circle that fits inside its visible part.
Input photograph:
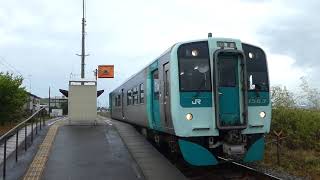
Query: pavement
(152, 163)
(110, 150)
(90, 152)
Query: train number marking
(258, 101)
(196, 101)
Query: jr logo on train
(196, 101)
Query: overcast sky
(40, 38)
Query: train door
(166, 101)
(228, 90)
(122, 104)
(155, 99)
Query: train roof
(166, 51)
(170, 48)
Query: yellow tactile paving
(38, 164)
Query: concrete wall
(82, 103)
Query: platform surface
(152, 163)
(90, 152)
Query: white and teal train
(206, 98)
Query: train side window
(129, 92)
(131, 98)
(114, 103)
(156, 85)
(141, 93)
(135, 95)
(167, 85)
(118, 100)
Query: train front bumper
(198, 155)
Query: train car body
(209, 97)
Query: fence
(37, 119)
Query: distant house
(56, 102)
(33, 103)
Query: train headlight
(189, 117)
(262, 114)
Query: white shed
(82, 103)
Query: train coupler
(232, 150)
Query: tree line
(307, 97)
(13, 96)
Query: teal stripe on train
(191, 99)
(255, 152)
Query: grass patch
(6, 127)
(297, 162)
(300, 150)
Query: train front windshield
(194, 67)
(257, 71)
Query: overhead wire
(14, 70)
(9, 66)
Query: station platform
(108, 150)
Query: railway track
(256, 172)
(227, 170)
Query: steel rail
(250, 168)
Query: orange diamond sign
(106, 71)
